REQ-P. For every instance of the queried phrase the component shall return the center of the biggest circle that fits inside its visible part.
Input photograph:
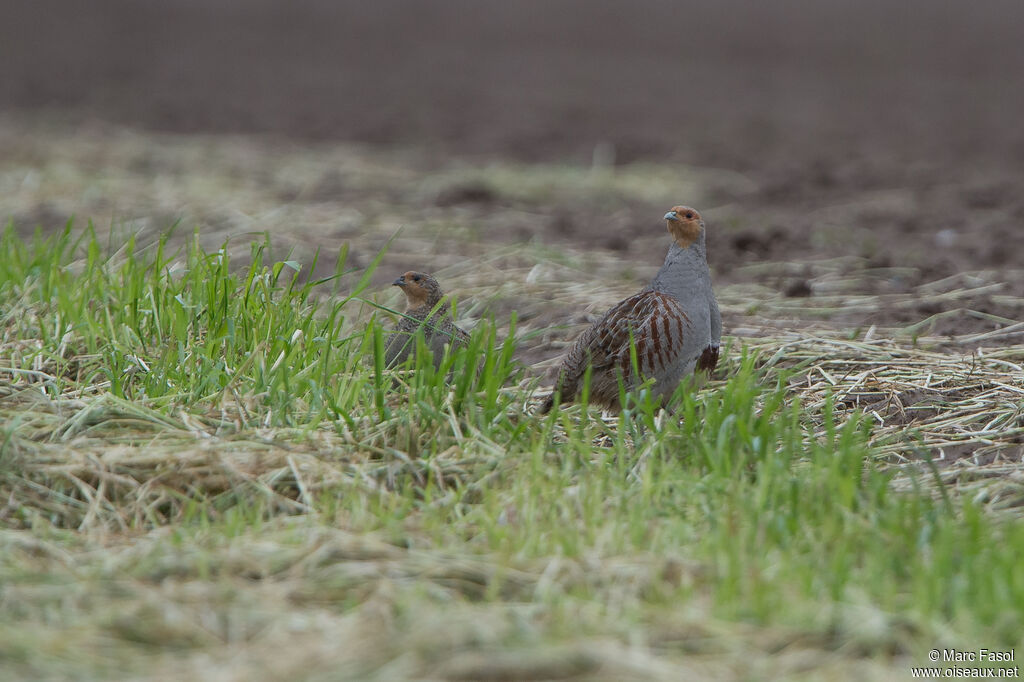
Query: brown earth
(887, 133)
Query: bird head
(684, 224)
(420, 289)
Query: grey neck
(439, 310)
(683, 269)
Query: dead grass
(127, 553)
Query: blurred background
(736, 84)
(860, 166)
(806, 130)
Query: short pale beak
(400, 282)
(671, 215)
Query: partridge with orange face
(424, 311)
(674, 324)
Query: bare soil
(890, 134)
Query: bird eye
(416, 278)
(689, 215)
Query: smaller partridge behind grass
(673, 324)
(424, 311)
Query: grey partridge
(424, 311)
(674, 324)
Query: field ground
(193, 488)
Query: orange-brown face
(420, 289)
(684, 224)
